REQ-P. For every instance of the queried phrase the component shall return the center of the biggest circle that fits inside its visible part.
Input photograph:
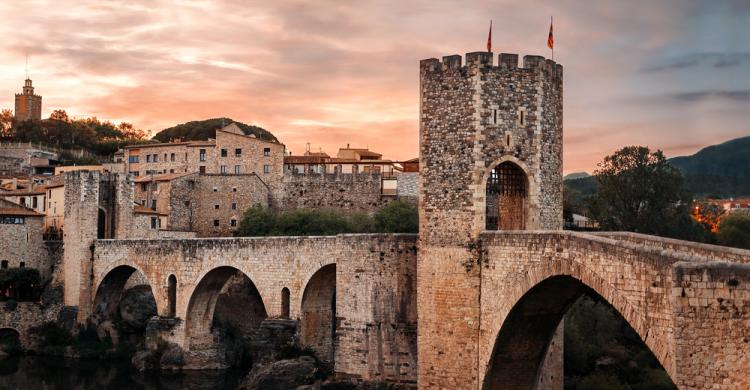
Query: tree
(59, 115)
(398, 216)
(6, 123)
(734, 230)
(640, 192)
(129, 132)
(257, 221)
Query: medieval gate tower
(491, 159)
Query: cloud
(698, 96)
(717, 60)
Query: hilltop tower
(490, 159)
(28, 105)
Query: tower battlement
(485, 60)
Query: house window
(202, 169)
(133, 159)
(202, 155)
(238, 152)
(23, 201)
(153, 204)
(148, 158)
(216, 207)
(34, 203)
(266, 169)
(156, 158)
(234, 206)
(165, 157)
(171, 157)
(143, 202)
(187, 203)
(136, 173)
(171, 171)
(154, 222)
(143, 186)
(236, 169)
(4, 264)
(223, 152)
(223, 169)
(234, 189)
(191, 184)
(267, 152)
(233, 222)
(216, 222)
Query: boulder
(173, 358)
(137, 306)
(281, 375)
(107, 329)
(144, 361)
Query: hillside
(576, 175)
(718, 171)
(721, 170)
(205, 129)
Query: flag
(489, 38)
(550, 39)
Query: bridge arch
(202, 305)
(111, 287)
(318, 312)
(10, 340)
(539, 303)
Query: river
(53, 373)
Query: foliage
(10, 343)
(20, 283)
(397, 217)
(603, 352)
(11, 305)
(727, 159)
(639, 191)
(734, 230)
(205, 129)
(53, 335)
(61, 131)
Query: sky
(669, 74)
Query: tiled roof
(19, 212)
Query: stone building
(22, 244)
(28, 104)
(232, 152)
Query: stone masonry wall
(474, 117)
(23, 243)
(196, 201)
(346, 192)
(375, 277)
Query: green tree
(6, 123)
(256, 221)
(398, 216)
(734, 230)
(640, 192)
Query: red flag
(550, 39)
(489, 38)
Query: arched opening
(225, 299)
(10, 342)
(318, 314)
(101, 225)
(284, 302)
(506, 198)
(524, 339)
(172, 294)
(125, 299)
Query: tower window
(522, 117)
(223, 152)
(238, 152)
(494, 119)
(267, 152)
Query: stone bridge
(353, 295)
(355, 298)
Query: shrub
(397, 217)
(734, 230)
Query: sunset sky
(671, 74)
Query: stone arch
(284, 302)
(171, 295)
(10, 340)
(202, 305)
(535, 310)
(101, 224)
(318, 312)
(113, 285)
(530, 218)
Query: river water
(53, 373)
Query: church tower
(28, 105)
(490, 159)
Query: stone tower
(490, 158)
(28, 105)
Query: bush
(397, 217)
(734, 230)
(53, 335)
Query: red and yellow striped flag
(550, 39)
(489, 38)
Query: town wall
(23, 243)
(345, 192)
